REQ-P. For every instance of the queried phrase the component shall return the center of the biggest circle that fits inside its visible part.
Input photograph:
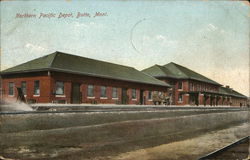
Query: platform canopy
(223, 91)
(231, 92)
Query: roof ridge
(195, 72)
(154, 78)
(53, 59)
(176, 66)
(160, 67)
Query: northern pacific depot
(66, 78)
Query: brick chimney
(231, 89)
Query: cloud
(34, 48)
(165, 41)
(160, 37)
(211, 27)
(158, 41)
(79, 25)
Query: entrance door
(76, 95)
(141, 97)
(124, 96)
(211, 100)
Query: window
(198, 87)
(11, 88)
(150, 95)
(195, 87)
(103, 91)
(36, 88)
(133, 93)
(203, 87)
(179, 85)
(23, 87)
(59, 88)
(90, 91)
(191, 86)
(180, 97)
(114, 92)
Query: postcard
(124, 80)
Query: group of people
(161, 98)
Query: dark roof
(63, 62)
(230, 92)
(173, 70)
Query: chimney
(231, 89)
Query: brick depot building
(65, 78)
(191, 88)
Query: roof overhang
(217, 84)
(214, 93)
(81, 73)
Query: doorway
(141, 97)
(124, 96)
(76, 94)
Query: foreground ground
(188, 149)
(151, 134)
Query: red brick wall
(197, 86)
(47, 87)
(201, 99)
(235, 101)
(98, 82)
(177, 91)
(201, 86)
(44, 86)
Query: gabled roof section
(33, 65)
(63, 62)
(173, 70)
(231, 92)
(154, 71)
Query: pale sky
(209, 37)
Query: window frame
(35, 94)
(181, 85)
(116, 92)
(134, 94)
(191, 86)
(180, 95)
(105, 91)
(56, 87)
(13, 90)
(93, 91)
(22, 88)
(150, 95)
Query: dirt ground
(120, 140)
(188, 149)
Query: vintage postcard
(124, 80)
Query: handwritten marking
(79, 14)
(100, 14)
(65, 15)
(25, 15)
(61, 15)
(47, 15)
